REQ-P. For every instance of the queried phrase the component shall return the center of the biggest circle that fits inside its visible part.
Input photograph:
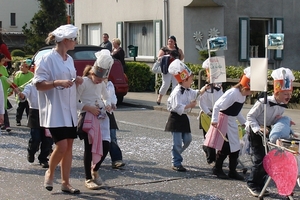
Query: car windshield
(41, 53)
(84, 54)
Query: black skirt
(178, 123)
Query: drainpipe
(166, 29)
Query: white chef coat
(88, 93)
(57, 107)
(225, 101)
(255, 117)
(31, 95)
(177, 101)
(111, 92)
(208, 99)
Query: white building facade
(13, 15)
(147, 24)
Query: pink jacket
(91, 125)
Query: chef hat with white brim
(206, 65)
(283, 79)
(65, 32)
(245, 80)
(103, 63)
(179, 70)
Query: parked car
(85, 55)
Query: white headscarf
(65, 31)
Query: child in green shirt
(22, 77)
(3, 77)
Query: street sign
(69, 1)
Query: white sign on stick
(258, 74)
(217, 69)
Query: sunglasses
(73, 39)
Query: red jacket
(4, 50)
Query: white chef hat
(245, 80)
(65, 31)
(205, 65)
(103, 63)
(179, 70)
(283, 78)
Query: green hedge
(18, 52)
(140, 78)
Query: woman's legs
(66, 163)
(62, 153)
(166, 82)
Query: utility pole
(69, 2)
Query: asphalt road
(147, 174)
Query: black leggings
(222, 155)
(87, 159)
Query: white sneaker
(96, 178)
(90, 184)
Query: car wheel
(120, 99)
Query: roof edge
(202, 3)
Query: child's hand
(17, 91)
(93, 109)
(79, 80)
(262, 130)
(108, 108)
(113, 106)
(193, 104)
(21, 95)
(214, 124)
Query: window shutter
(157, 28)
(243, 39)
(278, 28)
(119, 33)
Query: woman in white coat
(54, 79)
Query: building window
(258, 29)
(252, 32)
(12, 19)
(137, 37)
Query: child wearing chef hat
(213, 91)
(181, 100)
(94, 102)
(257, 124)
(226, 111)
